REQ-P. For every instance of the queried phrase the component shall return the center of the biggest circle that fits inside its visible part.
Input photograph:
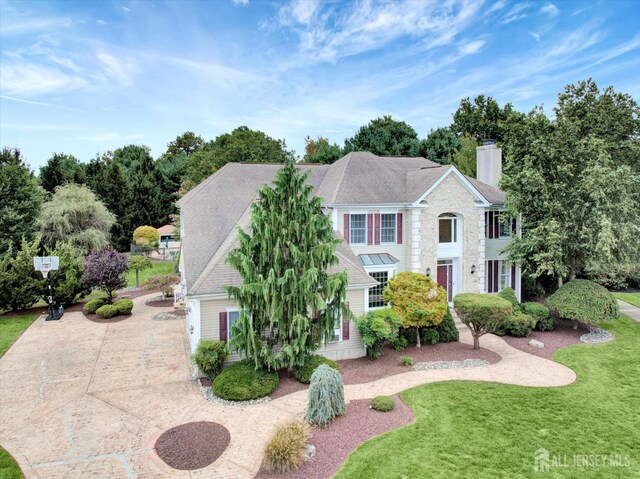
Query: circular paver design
(193, 445)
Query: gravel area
(165, 317)
(465, 363)
(205, 388)
(562, 335)
(596, 335)
(193, 445)
(342, 435)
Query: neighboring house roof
(358, 178)
(166, 230)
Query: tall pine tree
(289, 303)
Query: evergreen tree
(440, 145)
(20, 199)
(20, 285)
(61, 169)
(289, 303)
(465, 157)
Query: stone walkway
(629, 310)
(83, 399)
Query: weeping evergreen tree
(289, 303)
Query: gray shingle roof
(213, 209)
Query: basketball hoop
(45, 271)
(44, 264)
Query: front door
(445, 277)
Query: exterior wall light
(428, 271)
(473, 268)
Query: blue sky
(85, 77)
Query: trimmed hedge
(303, 373)
(584, 300)
(210, 356)
(107, 311)
(482, 313)
(92, 306)
(124, 306)
(242, 382)
(520, 325)
(382, 403)
(510, 295)
(542, 314)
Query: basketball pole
(53, 314)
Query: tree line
(573, 177)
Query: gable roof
(213, 209)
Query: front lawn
(159, 267)
(11, 328)
(486, 430)
(8, 467)
(630, 298)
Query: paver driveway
(82, 399)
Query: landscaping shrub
(410, 334)
(92, 306)
(406, 361)
(162, 282)
(326, 396)
(377, 328)
(382, 403)
(447, 329)
(542, 314)
(104, 296)
(584, 300)
(107, 311)
(429, 336)
(399, 343)
(510, 295)
(531, 287)
(210, 356)
(520, 325)
(242, 382)
(303, 373)
(482, 313)
(285, 449)
(124, 306)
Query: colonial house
(394, 213)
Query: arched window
(447, 228)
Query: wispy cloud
(471, 47)
(110, 136)
(550, 9)
(499, 5)
(23, 79)
(102, 22)
(242, 3)
(126, 9)
(29, 25)
(40, 103)
(517, 12)
(118, 69)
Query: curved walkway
(81, 399)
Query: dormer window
(447, 228)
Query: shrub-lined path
(82, 399)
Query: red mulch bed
(364, 370)
(96, 319)
(562, 335)
(342, 435)
(193, 445)
(157, 303)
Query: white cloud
(126, 9)
(102, 22)
(516, 13)
(471, 47)
(20, 26)
(23, 79)
(550, 9)
(499, 5)
(120, 70)
(242, 3)
(38, 103)
(330, 33)
(536, 36)
(110, 136)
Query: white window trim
(507, 227)
(366, 227)
(455, 229)
(338, 331)
(395, 227)
(392, 271)
(231, 309)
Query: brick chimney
(489, 163)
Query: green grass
(8, 467)
(11, 328)
(485, 430)
(631, 298)
(159, 267)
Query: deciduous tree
(74, 214)
(106, 270)
(139, 263)
(417, 299)
(321, 151)
(385, 136)
(465, 157)
(483, 118)
(288, 300)
(440, 145)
